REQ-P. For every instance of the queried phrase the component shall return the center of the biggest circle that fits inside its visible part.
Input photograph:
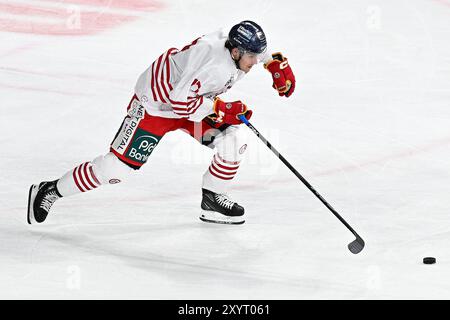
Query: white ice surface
(368, 127)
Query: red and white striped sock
(223, 169)
(81, 179)
(220, 172)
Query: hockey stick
(356, 245)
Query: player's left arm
(282, 75)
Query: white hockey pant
(108, 169)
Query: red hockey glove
(228, 112)
(282, 75)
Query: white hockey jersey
(183, 83)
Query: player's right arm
(187, 97)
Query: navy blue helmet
(248, 36)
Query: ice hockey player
(180, 90)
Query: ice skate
(218, 208)
(40, 199)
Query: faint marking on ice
(60, 75)
(19, 49)
(87, 77)
(373, 282)
(142, 258)
(399, 155)
(360, 165)
(73, 281)
(29, 88)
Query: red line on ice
(138, 5)
(91, 20)
(25, 10)
(443, 2)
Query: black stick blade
(356, 246)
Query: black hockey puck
(429, 260)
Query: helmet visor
(258, 57)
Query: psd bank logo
(142, 146)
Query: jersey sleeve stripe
(162, 76)
(161, 87)
(155, 75)
(171, 51)
(195, 104)
(153, 83)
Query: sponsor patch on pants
(142, 146)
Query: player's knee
(233, 144)
(110, 170)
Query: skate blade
(31, 196)
(215, 217)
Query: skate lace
(223, 201)
(48, 200)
